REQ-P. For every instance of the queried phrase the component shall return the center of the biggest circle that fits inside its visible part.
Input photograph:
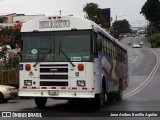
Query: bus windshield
(47, 46)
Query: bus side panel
(96, 76)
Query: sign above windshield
(54, 24)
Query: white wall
(25, 18)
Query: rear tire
(40, 101)
(1, 98)
(99, 99)
(111, 97)
(119, 94)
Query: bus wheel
(110, 97)
(99, 99)
(40, 101)
(119, 94)
(1, 97)
(5, 100)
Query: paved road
(141, 95)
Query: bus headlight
(81, 83)
(27, 82)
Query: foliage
(115, 34)
(6, 35)
(151, 11)
(155, 40)
(94, 14)
(151, 30)
(120, 27)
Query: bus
(66, 57)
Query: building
(7, 20)
(106, 14)
(13, 19)
(25, 18)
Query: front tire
(1, 98)
(40, 101)
(5, 100)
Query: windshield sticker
(34, 51)
(75, 58)
(85, 57)
(30, 56)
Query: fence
(9, 77)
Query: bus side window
(125, 57)
(111, 49)
(120, 54)
(103, 46)
(116, 52)
(94, 44)
(106, 47)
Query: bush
(155, 40)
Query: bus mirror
(99, 45)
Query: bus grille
(53, 74)
(48, 83)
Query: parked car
(7, 93)
(136, 45)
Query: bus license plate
(53, 92)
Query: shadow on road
(74, 109)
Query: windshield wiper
(37, 61)
(60, 50)
(50, 51)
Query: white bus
(65, 57)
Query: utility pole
(116, 17)
(60, 12)
(119, 16)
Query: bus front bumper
(56, 93)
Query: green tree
(155, 40)
(94, 14)
(6, 35)
(120, 27)
(151, 11)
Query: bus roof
(59, 23)
(56, 23)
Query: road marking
(149, 78)
(133, 61)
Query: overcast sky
(124, 9)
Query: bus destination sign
(54, 24)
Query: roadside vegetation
(155, 40)
(94, 14)
(119, 27)
(9, 61)
(151, 11)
